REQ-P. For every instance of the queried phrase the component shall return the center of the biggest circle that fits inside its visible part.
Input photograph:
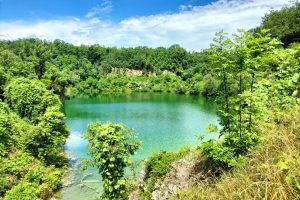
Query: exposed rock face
(183, 173)
(128, 72)
(135, 194)
(134, 72)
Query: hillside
(257, 154)
(254, 76)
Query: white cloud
(192, 28)
(104, 8)
(185, 7)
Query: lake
(162, 121)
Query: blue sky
(116, 10)
(130, 23)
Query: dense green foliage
(284, 24)
(258, 78)
(69, 70)
(256, 74)
(110, 146)
(32, 133)
(32, 70)
(29, 98)
(249, 73)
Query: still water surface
(162, 121)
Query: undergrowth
(271, 171)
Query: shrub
(23, 191)
(110, 146)
(29, 98)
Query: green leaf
(283, 165)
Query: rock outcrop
(183, 173)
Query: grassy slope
(272, 170)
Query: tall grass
(271, 171)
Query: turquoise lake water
(162, 121)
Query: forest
(253, 75)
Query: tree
(29, 98)
(47, 139)
(284, 24)
(244, 62)
(209, 86)
(58, 80)
(14, 66)
(221, 49)
(110, 146)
